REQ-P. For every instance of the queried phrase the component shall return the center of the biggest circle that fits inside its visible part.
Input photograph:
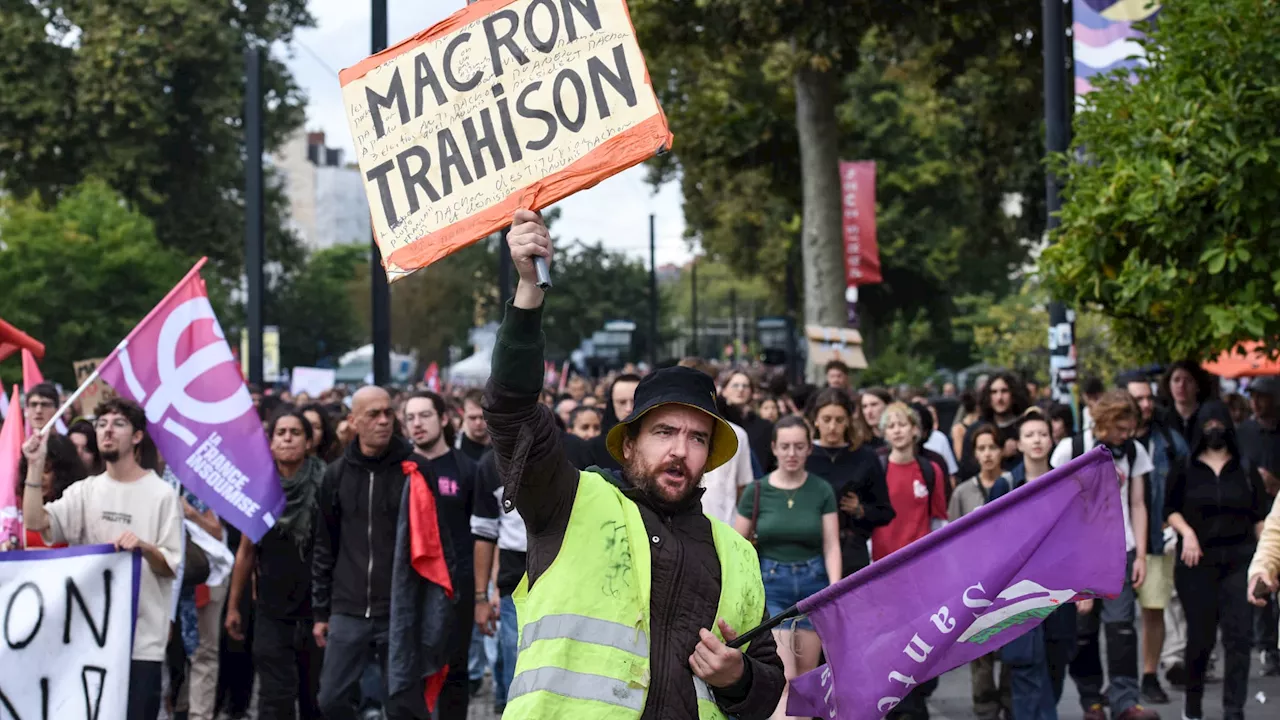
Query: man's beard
(646, 478)
(429, 443)
(110, 456)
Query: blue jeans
(508, 638)
(1032, 684)
(786, 584)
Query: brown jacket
(540, 482)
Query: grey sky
(615, 211)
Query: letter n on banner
(858, 219)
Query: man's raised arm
(536, 477)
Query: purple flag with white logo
(177, 365)
(964, 591)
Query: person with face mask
(1216, 504)
(631, 593)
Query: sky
(615, 212)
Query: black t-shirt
(1259, 446)
(456, 495)
(1221, 509)
(473, 449)
(284, 577)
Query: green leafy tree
(594, 285)
(79, 275)
(148, 96)
(317, 321)
(1169, 222)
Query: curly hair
(1017, 389)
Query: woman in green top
(792, 515)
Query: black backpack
(926, 468)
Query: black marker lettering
(589, 13)
(425, 76)
(379, 174)
(93, 700)
(531, 33)
(8, 614)
(414, 180)
(619, 81)
(523, 109)
(395, 97)
(508, 129)
(497, 43)
(74, 592)
(450, 157)
(479, 143)
(568, 75)
(454, 83)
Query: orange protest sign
(503, 105)
(96, 393)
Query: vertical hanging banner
(177, 365)
(1104, 37)
(68, 626)
(503, 105)
(858, 213)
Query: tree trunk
(821, 243)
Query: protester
(1168, 451)
(505, 532)
(1004, 399)
(767, 409)
(359, 502)
(650, 515)
(1038, 660)
(934, 445)
(739, 393)
(871, 403)
(426, 415)
(1115, 419)
(791, 515)
(843, 457)
(1185, 386)
(1217, 506)
(1238, 406)
(584, 423)
(722, 486)
(62, 468)
(989, 697)
(200, 621)
(474, 439)
(564, 410)
(1260, 446)
(81, 433)
(1062, 422)
(619, 398)
(277, 573)
(326, 445)
(42, 404)
(131, 508)
(837, 374)
(965, 418)
(916, 487)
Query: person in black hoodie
(355, 547)
(1216, 503)
(619, 400)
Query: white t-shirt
(941, 444)
(97, 510)
(1142, 465)
(721, 497)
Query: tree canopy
(1169, 222)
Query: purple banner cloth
(177, 365)
(965, 590)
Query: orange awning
(12, 340)
(1248, 359)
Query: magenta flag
(11, 436)
(177, 365)
(965, 590)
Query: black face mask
(1215, 438)
(1117, 451)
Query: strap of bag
(755, 513)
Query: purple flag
(965, 590)
(177, 365)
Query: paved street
(952, 702)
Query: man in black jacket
(354, 551)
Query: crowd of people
(822, 481)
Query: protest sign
(177, 365)
(312, 381)
(68, 632)
(270, 354)
(97, 392)
(503, 105)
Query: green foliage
(78, 276)
(1169, 221)
(315, 317)
(592, 286)
(148, 96)
(906, 356)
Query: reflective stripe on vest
(579, 686)
(586, 630)
(703, 691)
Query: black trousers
(352, 642)
(288, 663)
(144, 689)
(1213, 596)
(455, 696)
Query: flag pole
(764, 627)
(71, 399)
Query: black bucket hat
(679, 386)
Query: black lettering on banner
(479, 143)
(8, 614)
(425, 76)
(411, 180)
(523, 109)
(568, 75)
(92, 699)
(73, 591)
(619, 81)
(496, 43)
(395, 97)
(508, 129)
(541, 45)
(459, 85)
(450, 157)
(44, 702)
(379, 175)
(588, 10)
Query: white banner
(67, 627)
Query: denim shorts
(786, 584)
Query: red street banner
(858, 201)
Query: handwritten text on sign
(67, 628)
(502, 100)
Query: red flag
(31, 375)
(426, 553)
(11, 436)
(12, 340)
(858, 199)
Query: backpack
(926, 468)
